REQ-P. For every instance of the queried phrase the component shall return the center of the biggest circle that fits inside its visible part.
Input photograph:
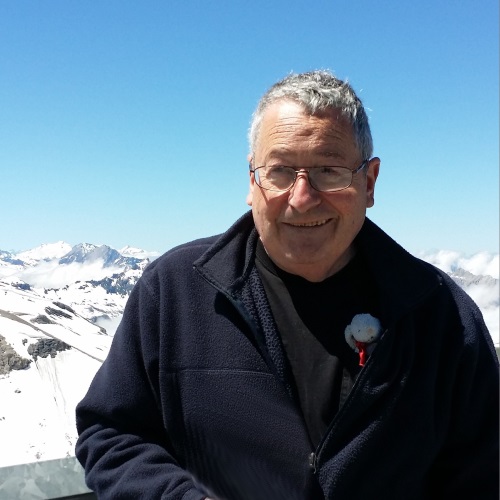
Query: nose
(303, 196)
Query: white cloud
(487, 298)
(110, 324)
(138, 253)
(54, 275)
(482, 263)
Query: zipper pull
(313, 462)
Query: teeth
(311, 224)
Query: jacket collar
(402, 279)
(229, 261)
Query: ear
(249, 198)
(373, 168)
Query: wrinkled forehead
(289, 125)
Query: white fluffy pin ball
(363, 328)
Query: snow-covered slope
(43, 252)
(54, 301)
(25, 314)
(37, 410)
(58, 352)
(93, 280)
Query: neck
(315, 272)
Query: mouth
(316, 223)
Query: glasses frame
(298, 170)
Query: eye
(277, 169)
(329, 171)
(278, 172)
(277, 177)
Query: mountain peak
(80, 253)
(46, 251)
(87, 253)
(128, 251)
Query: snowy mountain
(26, 314)
(466, 279)
(93, 280)
(86, 253)
(44, 252)
(48, 355)
(56, 302)
(59, 309)
(129, 251)
(8, 260)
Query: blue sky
(125, 122)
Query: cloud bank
(54, 275)
(481, 264)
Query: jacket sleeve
(123, 444)
(468, 466)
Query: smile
(310, 224)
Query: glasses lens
(277, 178)
(330, 178)
(281, 178)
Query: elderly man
(303, 354)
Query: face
(306, 232)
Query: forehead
(287, 127)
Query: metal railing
(50, 479)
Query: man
(234, 375)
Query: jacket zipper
(313, 459)
(236, 303)
(314, 456)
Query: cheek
(260, 214)
(266, 213)
(341, 203)
(349, 202)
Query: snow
(47, 251)
(37, 413)
(129, 251)
(24, 306)
(43, 299)
(8, 269)
(51, 274)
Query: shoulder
(173, 269)
(185, 254)
(456, 308)
(458, 297)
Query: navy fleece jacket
(196, 397)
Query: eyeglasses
(325, 179)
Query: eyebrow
(282, 152)
(330, 154)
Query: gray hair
(317, 91)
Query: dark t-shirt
(311, 319)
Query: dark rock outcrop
(47, 347)
(41, 319)
(64, 306)
(57, 312)
(10, 359)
